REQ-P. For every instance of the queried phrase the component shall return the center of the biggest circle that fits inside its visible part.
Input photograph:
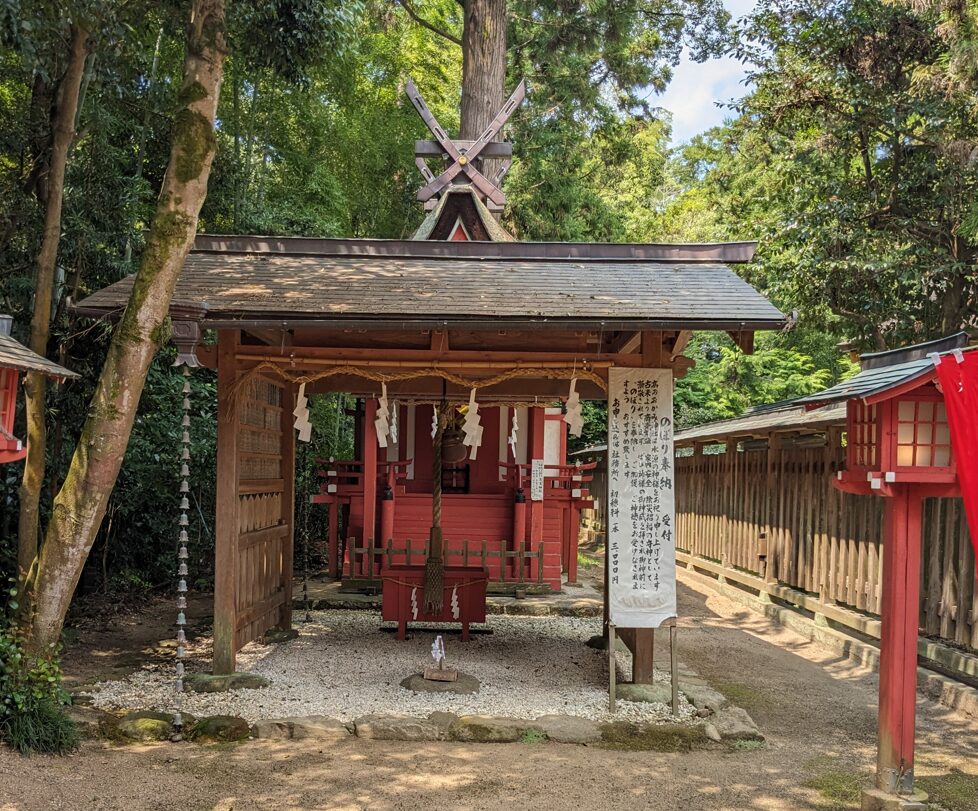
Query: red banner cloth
(958, 376)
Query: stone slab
(221, 683)
(734, 724)
(569, 728)
(875, 800)
(318, 727)
(217, 728)
(657, 693)
(464, 685)
(492, 729)
(702, 696)
(399, 728)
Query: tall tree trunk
(80, 505)
(483, 69)
(35, 384)
(483, 65)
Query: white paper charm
(574, 418)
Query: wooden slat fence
(774, 512)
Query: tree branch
(413, 14)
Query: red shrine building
(468, 352)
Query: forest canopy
(852, 158)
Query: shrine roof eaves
(14, 355)
(387, 292)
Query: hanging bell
(181, 651)
(185, 454)
(178, 686)
(453, 451)
(182, 586)
(181, 619)
(183, 536)
(186, 404)
(186, 387)
(182, 571)
(186, 438)
(184, 503)
(186, 421)
(182, 552)
(181, 636)
(184, 470)
(179, 668)
(183, 520)
(181, 601)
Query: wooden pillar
(898, 640)
(369, 480)
(226, 511)
(387, 507)
(519, 530)
(573, 533)
(334, 538)
(288, 502)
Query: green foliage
(32, 717)
(856, 174)
(725, 382)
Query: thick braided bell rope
(434, 569)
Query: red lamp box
(16, 359)
(464, 601)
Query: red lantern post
(898, 446)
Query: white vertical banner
(641, 498)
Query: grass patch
(626, 736)
(534, 736)
(748, 745)
(839, 785)
(736, 692)
(955, 791)
(41, 726)
(586, 561)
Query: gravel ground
(816, 709)
(344, 666)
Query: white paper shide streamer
(514, 433)
(472, 427)
(301, 414)
(574, 418)
(382, 421)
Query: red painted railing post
(898, 642)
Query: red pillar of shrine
(898, 642)
(369, 481)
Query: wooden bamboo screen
(264, 517)
(819, 540)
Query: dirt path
(817, 711)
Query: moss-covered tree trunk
(35, 384)
(80, 505)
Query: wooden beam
(627, 343)
(679, 345)
(653, 353)
(744, 340)
(318, 356)
(226, 512)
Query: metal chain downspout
(182, 557)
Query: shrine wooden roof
(403, 283)
(14, 355)
(884, 372)
(763, 420)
